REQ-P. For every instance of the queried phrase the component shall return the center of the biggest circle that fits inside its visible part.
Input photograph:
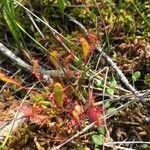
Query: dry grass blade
(35, 25)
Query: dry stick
(105, 124)
(77, 23)
(20, 62)
(118, 147)
(131, 142)
(79, 6)
(12, 56)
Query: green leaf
(113, 83)
(136, 75)
(110, 110)
(98, 83)
(98, 139)
(107, 103)
(145, 146)
(101, 130)
(110, 91)
(11, 19)
(61, 5)
(147, 79)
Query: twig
(12, 56)
(132, 142)
(105, 124)
(119, 147)
(77, 23)
(79, 6)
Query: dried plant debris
(131, 123)
(133, 56)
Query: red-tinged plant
(68, 59)
(93, 40)
(35, 115)
(77, 112)
(35, 69)
(85, 48)
(54, 58)
(6, 78)
(95, 113)
(88, 45)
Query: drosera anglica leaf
(85, 48)
(58, 94)
(54, 56)
(7, 79)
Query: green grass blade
(10, 18)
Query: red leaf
(35, 69)
(95, 114)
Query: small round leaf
(110, 91)
(136, 75)
(98, 139)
